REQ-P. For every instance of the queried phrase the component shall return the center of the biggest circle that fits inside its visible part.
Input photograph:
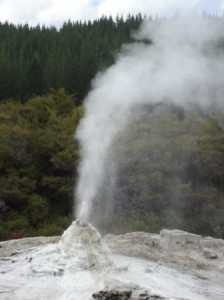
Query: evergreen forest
(169, 166)
(34, 59)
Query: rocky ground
(191, 261)
(14, 247)
(200, 257)
(176, 248)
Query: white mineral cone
(82, 245)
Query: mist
(177, 62)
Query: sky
(55, 12)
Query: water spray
(181, 66)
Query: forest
(169, 165)
(34, 59)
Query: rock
(178, 239)
(168, 263)
(209, 254)
(121, 269)
(215, 246)
(125, 295)
(82, 247)
(14, 247)
(117, 290)
(174, 248)
(112, 295)
(144, 245)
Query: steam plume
(182, 63)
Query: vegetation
(38, 159)
(169, 170)
(34, 59)
(169, 163)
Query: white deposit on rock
(82, 245)
(178, 239)
(167, 245)
(170, 265)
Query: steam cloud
(183, 65)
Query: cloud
(60, 11)
(148, 7)
(222, 5)
(55, 12)
(46, 11)
(21, 11)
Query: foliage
(36, 210)
(38, 158)
(168, 169)
(169, 173)
(34, 59)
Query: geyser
(82, 246)
(180, 64)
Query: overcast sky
(55, 12)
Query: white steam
(183, 65)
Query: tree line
(34, 59)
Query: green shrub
(37, 210)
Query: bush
(14, 226)
(37, 210)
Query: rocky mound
(173, 247)
(171, 265)
(82, 244)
